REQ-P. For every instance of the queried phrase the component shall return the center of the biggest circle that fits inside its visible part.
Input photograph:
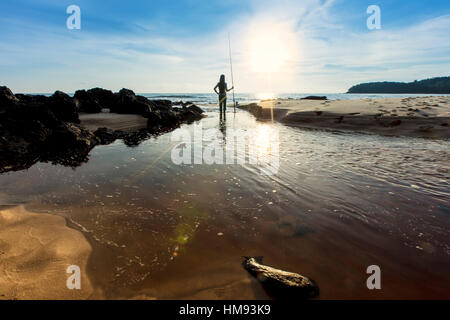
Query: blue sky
(182, 46)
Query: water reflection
(264, 139)
(223, 126)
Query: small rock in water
(279, 283)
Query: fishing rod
(231, 67)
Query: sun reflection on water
(266, 143)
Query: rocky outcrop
(127, 102)
(63, 107)
(93, 100)
(160, 113)
(7, 98)
(39, 128)
(190, 114)
(60, 104)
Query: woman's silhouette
(223, 89)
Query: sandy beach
(419, 116)
(35, 250)
(113, 121)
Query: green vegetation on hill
(434, 85)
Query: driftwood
(280, 284)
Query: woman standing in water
(223, 89)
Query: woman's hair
(222, 78)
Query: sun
(270, 47)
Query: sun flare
(270, 47)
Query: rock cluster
(40, 128)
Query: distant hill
(434, 85)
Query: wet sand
(35, 250)
(427, 117)
(114, 121)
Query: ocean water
(211, 98)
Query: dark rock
(22, 119)
(7, 98)
(86, 102)
(39, 128)
(71, 136)
(279, 283)
(126, 102)
(104, 97)
(37, 132)
(163, 120)
(36, 100)
(63, 107)
(154, 121)
(41, 113)
(161, 104)
(195, 109)
(94, 100)
(191, 114)
(105, 135)
(169, 118)
(314, 98)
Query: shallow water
(338, 203)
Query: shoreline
(36, 249)
(424, 117)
